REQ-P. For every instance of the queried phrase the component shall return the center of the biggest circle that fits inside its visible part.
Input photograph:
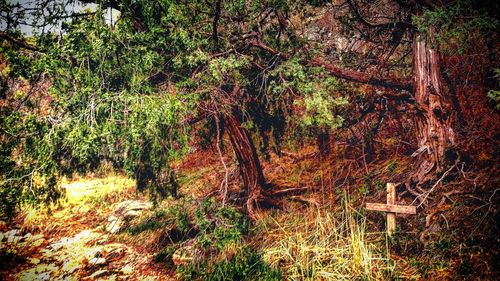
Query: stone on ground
(124, 211)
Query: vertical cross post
(391, 200)
(391, 208)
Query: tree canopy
(134, 91)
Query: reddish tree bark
(434, 122)
(248, 160)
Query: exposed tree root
(270, 199)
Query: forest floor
(71, 243)
(324, 234)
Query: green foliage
(100, 106)
(322, 98)
(246, 264)
(391, 168)
(219, 226)
(456, 25)
(126, 93)
(144, 226)
(495, 94)
(216, 233)
(175, 217)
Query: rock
(12, 237)
(44, 276)
(115, 224)
(98, 274)
(81, 238)
(132, 207)
(127, 270)
(97, 261)
(124, 211)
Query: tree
(129, 91)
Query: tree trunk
(323, 141)
(250, 168)
(435, 116)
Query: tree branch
(347, 74)
(18, 42)
(215, 33)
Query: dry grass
(87, 204)
(321, 245)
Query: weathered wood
(391, 208)
(391, 200)
(248, 160)
(400, 209)
(434, 121)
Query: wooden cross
(391, 208)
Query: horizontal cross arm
(411, 210)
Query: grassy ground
(324, 234)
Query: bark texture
(248, 160)
(434, 122)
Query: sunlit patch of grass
(84, 195)
(321, 245)
(79, 190)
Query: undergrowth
(322, 245)
(205, 241)
(246, 264)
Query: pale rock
(127, 270)
(98, 274)
(12, 237)
(44, 276)
(124, 211)
(97, 261)
(115, 224)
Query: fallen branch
(285, 191)
(427, 193)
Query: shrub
(246, 264)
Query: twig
(427, 193)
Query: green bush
(219, 226)
(214, 231)
(246, 264)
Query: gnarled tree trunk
(250, 168)
(434, 122)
